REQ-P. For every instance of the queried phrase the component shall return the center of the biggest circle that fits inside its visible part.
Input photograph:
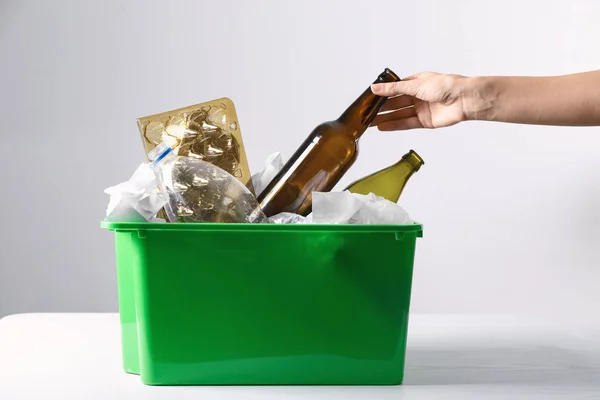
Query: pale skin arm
(431, 100)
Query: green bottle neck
(412, 161)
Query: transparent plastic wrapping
(207, 131)
(288, 218)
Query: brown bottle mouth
(388, 76)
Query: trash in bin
(389, 182)
(324, 156)
(137, 199)
(273, 165)
(349, 208)
(208, 131)
(198, 191)
(289, 218)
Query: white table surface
(77, 356)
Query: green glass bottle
(389, 182)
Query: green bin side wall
(127, 258)
(267, 307)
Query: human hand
(424, 100)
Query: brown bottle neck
(364, 109)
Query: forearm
(569, 100)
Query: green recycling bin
(264, 304)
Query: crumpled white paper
(138, 199)
(351, 208)
(347, 208)
(261, 180)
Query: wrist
(479, 96)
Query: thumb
(395, 88)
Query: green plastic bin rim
(246, 227)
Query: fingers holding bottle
(423, 100)
(403, 113)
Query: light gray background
(511, 213)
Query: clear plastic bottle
(201, 192)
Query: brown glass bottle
(324, 157)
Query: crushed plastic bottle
(201, 192)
